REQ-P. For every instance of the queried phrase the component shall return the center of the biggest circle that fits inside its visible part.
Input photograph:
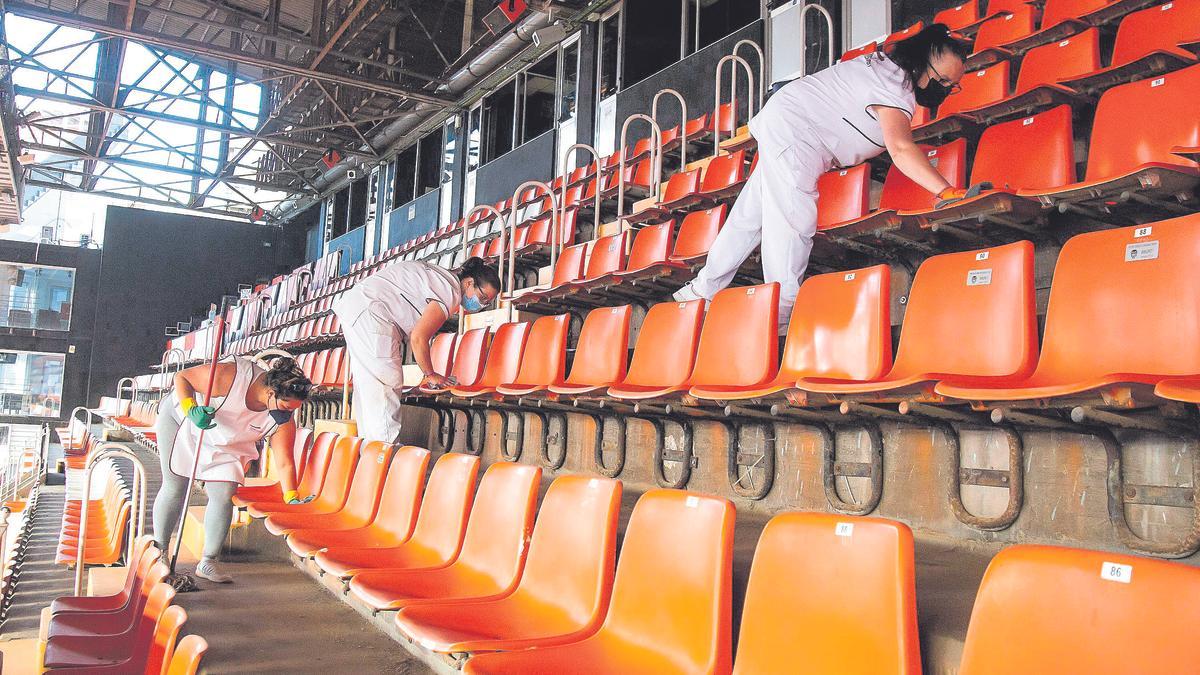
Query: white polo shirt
(833, 108)
(399, 293)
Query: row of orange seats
(135, 630)
(307, 333)
(109, 509)
(306, 310)
(969, 333)
(488, 576)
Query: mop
(181, 581)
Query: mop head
(182, 582)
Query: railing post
(683, 118)
(655, 161)
(138, 497)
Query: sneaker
(686, 294)
(208, 569)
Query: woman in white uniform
(248, 405)
(405, 301)
(838, 117)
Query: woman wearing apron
(838, 117)
(403, 302)
(248, 404)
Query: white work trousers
(777, 207)
(375, 348)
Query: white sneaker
(686, 294)
(208, 569)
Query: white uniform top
(233, 442)
(833, 108)
(399, 293)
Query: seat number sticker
(691, 502)
(982, 255)
(1144, 251)
(1110, 571)
(849, 276)
(1142, 232)
(844, 529)
(1158, 82)
(979, 277)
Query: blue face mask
(471, 304)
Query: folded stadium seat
(437, 535)
(798, 595)
(1186, 389)
(1049, 609)
(680, 192)
(141, 578)
(534, 248)
(600, 353)
(723, 177)
(162, 643)
(696, 233)
(1145, 296)
(334, 375)
(1147, 44)
(441, 356)
(545, 357)
(1129, 156)
(503, 361)
(1005, 28)
(1039, 82)
(567, 268)
(1063, 18)
(493, 549)
(564, 588)
(964, 18)
(128, 649)
(1037, 152)
(665, 352)
(642, 148)
(104, 477)
(144, 556)
(673, 582)
(649, 272)
(869, 48)
(988, 296)
(904, 34)
(738, 346)
(334, 487)
(979, 88)
(362, 499)
(608, 256)
(308, 481)
(104, 549)
(884, 226)
(185, 659)
(696, 131)
(394, 519)
(477, 250)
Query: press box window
(405, 184)
(36, 296)
(540, 83)
(499, 112)
(429, 162)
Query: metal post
(567, 156)
(735, 61)
(655, 160)
(804, 34)
(683, 118)
(486, 208)
(512, 234)
(762, 60)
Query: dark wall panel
(354, 242)
(160, 268)
(498, 178)
(414, 218)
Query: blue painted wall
(414, 219)
(353, 241)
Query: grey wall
(413, 219)
(533, 160)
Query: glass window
(540, 86)
(719, 18)
(31, 384)
(499, 113)
(429, 162)
(610, 30)
(652, 35)
(570, 88)
(449, 150)
(358, 204)
(405, 182)
(474, 141)
(36, 296)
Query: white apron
(233, 442)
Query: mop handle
(187, 495)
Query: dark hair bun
(287, 380)
(482, 273)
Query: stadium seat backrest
(971, 314)
(545, 354)
(843, 194)
(739, 343)
(538, 232)
(187, 656)
(651, 246)
(1158, 28)
(602, 350)
(723, 171)
(441, 352)
(697, 232)
(869, 48)
(477, 249)
(681, 184)
(904, 34)
(726, 118)
(841, 326)
(1058, 11)
(674, 579)
(640, 174)
(341, 470)
(666, 344)
(979, 88)
(1124, 303)
(470, 356)
(569, 266)
(1070, 57)
(401, 495)
(165, 634)
(448, 494)
(367, 483)
(157, 602)
(317, 464)
(840, 591)
(1005, 28)
(608, 255)
(959, 16)
(902, 194)
(1047, 609)
(1139, 122)
(335, 367)
(497, 247)
(1035, 152)
(501, 521)
(319, 364)
(504, 356)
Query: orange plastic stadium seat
(607, 256)
(503, 361)
(144, 556)
(665, 351)
(309, 480)
(119, 619)
(470, 356)
(601, 352)
(839, 591)
(1014, 24)
(126, 650)
(680, 191)
(843, 195)
(651, 250)
(441, 353)
(904, 34)
(361, 500)
(569, 267)
(979, 88)
(696, 233)
(564, 589)
(438, 534)
(1046, 609)
(493, 549)
(869, 48)
(334, 489)
(1147, 43)
(673, 582)
(101, 546)
(162, 643)
(969, 315)
(959, 17)
(185, 660)
(545, 357)
(1136, 126)
(739, 345)
(1113, 289)
(394, 519)
(724, 176)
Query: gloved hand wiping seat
(200, 415)
(954, 194)
(293, 497)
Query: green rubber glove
(202, 416)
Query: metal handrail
(762, 60)
(564, 173)
(138, 495)
(735, 61)
(543, 188)
(488, 208)
(655, 161)
(133, 391)
(683, 118)
(804, 37)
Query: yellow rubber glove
(290, 496)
